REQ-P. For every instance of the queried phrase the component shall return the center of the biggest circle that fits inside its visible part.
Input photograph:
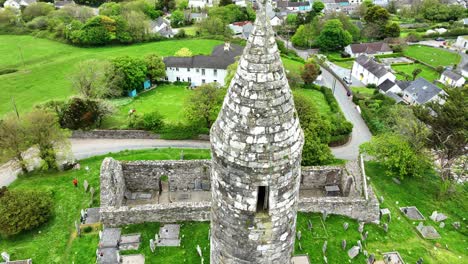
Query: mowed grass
(432, 56)
(49, 64)
(427, 73)
(318, 98)
(362, 90)
(56, 241)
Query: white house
(422, 91)
(17, 3)
(462, 42)
(453, 79)
(465, 70)
(163, 27)
(369, 71)
(276, 21)
(201, 69)
(200, 3)
(241, 29)
(374, 48)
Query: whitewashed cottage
(453, 79)
(369, 71)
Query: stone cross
(5, 256)
(345, 226)
(385, 227)
(299, 235)
(152, 245)
(324, 247)
(85, 185)
(309, 225)
(343, 244)
(78, 229)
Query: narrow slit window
(262, 199)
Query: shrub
(81, 113)
(371, 86)
(181, 131)
(87, 229)
(23, 210)
(152, 121)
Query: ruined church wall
(182, 174)
(318, 176)
(112, 183)
(164, 213)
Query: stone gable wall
(112, 183)
(318, 176)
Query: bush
(87, 229)
(181, 131)
(371, 86)
(23, 210)
(152, 121)
(81, 113)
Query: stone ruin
(180, 190)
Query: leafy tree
(155, 66)
(166, 5)
(397, 155)
(392, 30)
(183, 52)
(152, 121)
(71, 12)
(45, 132)
(13, 140)
(140, 6)
(348, 25)
(110, 9)
(183, 5)
(333, 36)
(448, 123)
(392, 7)
(225, 2)
(132, 72)
(36, 10)
(415, 73)
(24, 210)
(177, 18)
(89, 79)
(137, 25)
(318, 6)
(203, 105)
(81, 113)
(232, 13)
(376, 19)
(98, 30)
(214, 26)
(304, 36)
(7, 17)
(310, 72)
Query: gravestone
(152, 245)
(359, 244)
(309, 225)
(420, 261)
(85, 185)
(361, 227)
(385, 227)
(300, 246)
(324, 215)
(364, 237)
(365, 253)
(91, 190)
(456, 225)
(325, 259)
(130, 242)
(428, 232)
(100, 234)
(324, 247)
(83, 214)
(397, 181)
(343, 244)
(353, 252)
(438, 217)
(384, 211)
(77, 227)
(199, 251)
(442, 225)
(169, 235)
(382, 199)
(345, 226)
(182, 156)
(371, 259)
(5, 256)
(299, 235)
(412, 213)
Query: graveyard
(402, 234)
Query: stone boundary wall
(165, 213)
(182, 174)
(121, 134)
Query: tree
(415, 73)
(110, 9)
(397, 155)
(310, 72)
(333, 36)
(183, 52)
(36, 10)
(177, 18)
(376, 19)
(131, 71)
(89, 79)
(392, 30)
(137, 25)
(316, 132)
(448, 123)
(348, 24)
(13, 140)
(156, 67)
(45, 132)
(7, 17)
(81, 113)
(213, 26)
(203, 105)
(166, 5)
(318, 6)
(225, 2)
(98, 30)
(392, 7)
(304, 36)
(24, 210)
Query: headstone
(100, 234)
(361, 227)
(381, 199)
(353, 252)
(364, 237)
(87, 168)
(152, 245)
(371, 259)
(300, 246)
(324, 247)
(309, 225)
(389, 218)
(325, 259)
(299, 235)
(83, 215)
(182, 155)
(438, 217)
(343, 244)
(85, 185)
(5, 256)
(385, 227)
(91, 190)
(156, 237)
(365, 253)
(78, 230)
(199, 251)
(324, 215)
(420, 261)
(456, 225)
(359, 244)
(395, 180)
(442, 225)
(345, 226)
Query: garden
(402, 235)
(434, 57)
(405, 72)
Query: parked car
(347, 80)
(439, 39)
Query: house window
(198, 70)
(203, 80)
(262, 199)
(177, 69)
(188, 69)
(215, 81)
(202, 71)
(178, 79)
(166, 78)
(189, 79)
(215, 72)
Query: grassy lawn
(363, 90)
(432, 56)
(427, 73)
(190, 30)
(48, 65)
(402, 236)
(344, 64)
(318, 98)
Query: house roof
(394, 97)
(370, 48)
(219, 58)
(22, 2)
(403, 84)
(242, 23)
(372, 66)
(285, 4)
(386, 85)
(452, 75)
(465, 67)
(422, 90)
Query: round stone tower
(256, 147)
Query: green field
(402, 236)
(432, 56)
(427, 73)
(362, 90)
(318, 98)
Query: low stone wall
(182, 174)
(114, 134)
(319, 176)
(165, 213)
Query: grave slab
(353, 252)
(130, 242)
(302, 259)
(169, 236)
(133, 259)
(109, 238)
(109, 256)
(412, 213)
(438, 217)
(393, 258)
(428, 232)
(93, 216)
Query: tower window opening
(262, 199)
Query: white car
(347, 80)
